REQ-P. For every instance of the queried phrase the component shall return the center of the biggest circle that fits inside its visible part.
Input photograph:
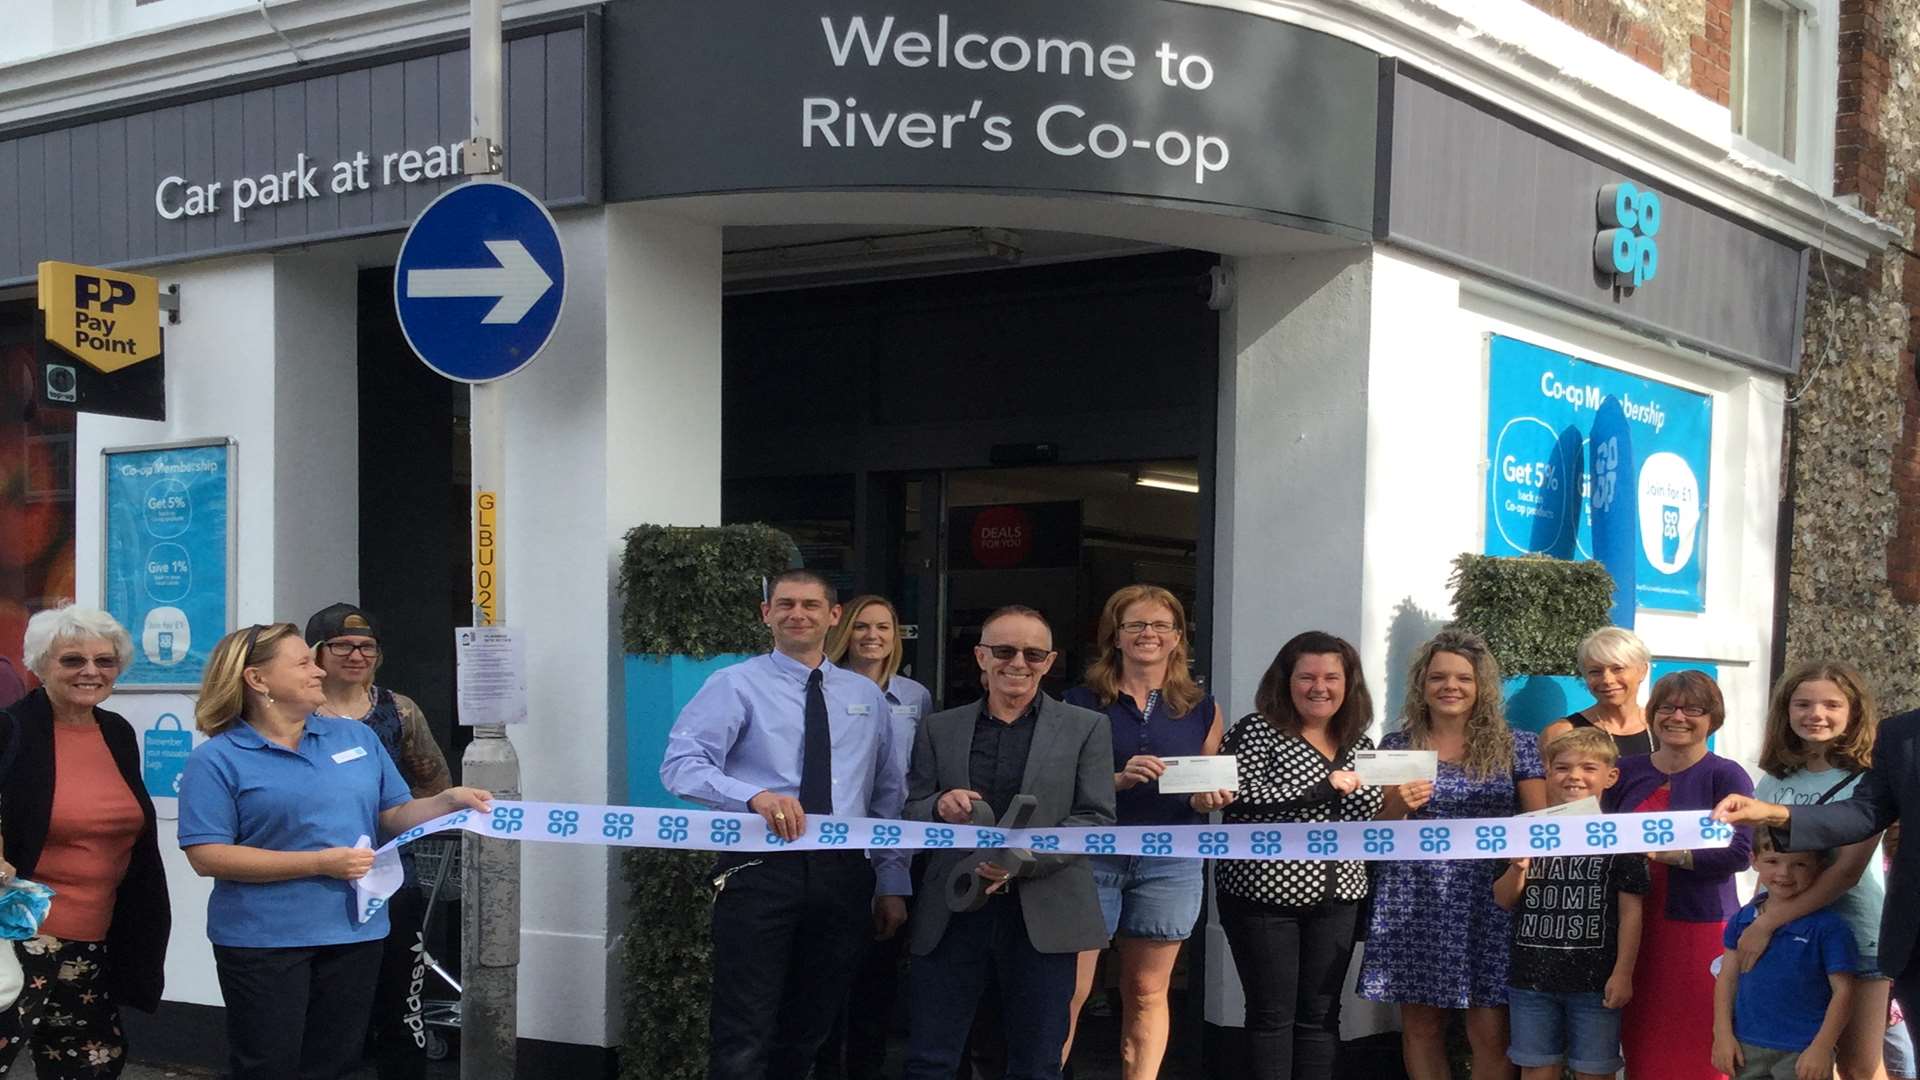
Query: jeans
(297, 1012)
(788, 930)
(1574, 1027)
(1292, 962)
(1149, 897)
(981, 948)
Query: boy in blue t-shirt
(1781, 1020)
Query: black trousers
(297, 1012)
(788, 930)
(856, 1048)
(1292, 962)
(1906, 991)
(982, 949)
(399, 1036)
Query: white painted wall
(1292, 461)
(263, 354)
(618, 423)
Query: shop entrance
(958, 443)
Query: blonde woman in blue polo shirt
(274, 807)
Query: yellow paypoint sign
(107, 318)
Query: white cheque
(1190, 775)
(1380, 768)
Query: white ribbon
(1416, 839)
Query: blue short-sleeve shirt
(240, 788)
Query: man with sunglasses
(788, 735)
(1036, 919)
(346, 645)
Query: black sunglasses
(1008, 652)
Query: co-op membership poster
(168, 558)
(1540, 409)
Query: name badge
(859, 710)
(345, 756)
(906, 712)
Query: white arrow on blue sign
(480, 281)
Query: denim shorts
(1549, 1028)
(1869, 969)
(1153, 898)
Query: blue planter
(657, 688)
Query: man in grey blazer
(1038, 919)
(1889, 793)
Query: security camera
(62, 383)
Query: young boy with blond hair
(1576, 932)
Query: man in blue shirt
(786, 735)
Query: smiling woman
(79, 820)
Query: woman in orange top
(78, 819)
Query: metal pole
(490, 909)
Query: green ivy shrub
(1532, 610)
(695, 591)
(689, 592)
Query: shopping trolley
(436, 872)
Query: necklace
(344, 715)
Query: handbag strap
(1831, 792)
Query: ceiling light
(1167, 480)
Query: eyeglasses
(76, 662)
(1008, 652)
(1143, 627)
(1691, 712)
(368, 649)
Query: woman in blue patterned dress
(1437, 941)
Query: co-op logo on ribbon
(1625, 249)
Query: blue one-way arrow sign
(480, 281)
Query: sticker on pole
(480, 281)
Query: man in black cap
(346, 643)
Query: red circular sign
(1002, 537)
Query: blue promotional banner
(1613, 505)
(1541, 405)
(168, 558)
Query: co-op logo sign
(1626, 249)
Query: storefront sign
(1494, 194)
(1540, 407)
(105, 318)
(1625, 248)
(169, 557)
(1140, 98)
(311, 157)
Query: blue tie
(816, 753)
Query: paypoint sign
(107, 319)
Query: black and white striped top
(1283, 779)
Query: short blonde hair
(223, 689)
(1612, 645)
(53, 627)
(1586, 742)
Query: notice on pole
(491, 675)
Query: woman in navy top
(1140, 681)
(279, 806)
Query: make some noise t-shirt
(1566, 927)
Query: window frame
(1815, 105)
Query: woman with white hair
(78, 819)
(1615, 663)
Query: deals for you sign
(1541, 408)
(169, 557)
(1137, 98)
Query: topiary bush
(1532, 610)
(691, 592)
(695, 590)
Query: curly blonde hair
(1489, 740)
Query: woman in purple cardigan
(1670, 1019)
